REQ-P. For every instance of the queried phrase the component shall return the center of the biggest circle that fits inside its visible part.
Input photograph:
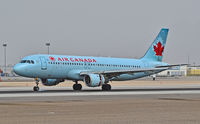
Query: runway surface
(118, 90)
(124, 104)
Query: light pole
(4, 45)
(48, 45)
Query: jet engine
(95, 80)
(51, 82)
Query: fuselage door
(43, 63)
(87, 65)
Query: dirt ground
(118, 111)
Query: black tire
(36, 88)
(77, 87)
(106, 87)
(103, 87)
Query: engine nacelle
(95, 80)
(51, 82)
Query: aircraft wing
(113, 73)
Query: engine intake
(51, 82)
(95, 80)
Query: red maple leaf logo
(158, 49)
(52, 58)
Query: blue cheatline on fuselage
(94, 71)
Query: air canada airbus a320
(94, 71)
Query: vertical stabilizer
(156, 50)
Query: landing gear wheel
(36, 88)
(106, 87)
(77, 87)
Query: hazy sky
(117, 28)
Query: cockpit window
(32, 62)
(23, 61)
(27, 61)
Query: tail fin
(155, 52)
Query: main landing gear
(106, 87)
(154, 77)
(76, 86)
(36, 88)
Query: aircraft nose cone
(22, 70)
(17, 69)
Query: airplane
(94, 71)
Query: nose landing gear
(36, 88)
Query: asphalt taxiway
(117, 90)
(15, 93)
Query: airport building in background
(193, 71)
(174, 72)
(9, 71)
